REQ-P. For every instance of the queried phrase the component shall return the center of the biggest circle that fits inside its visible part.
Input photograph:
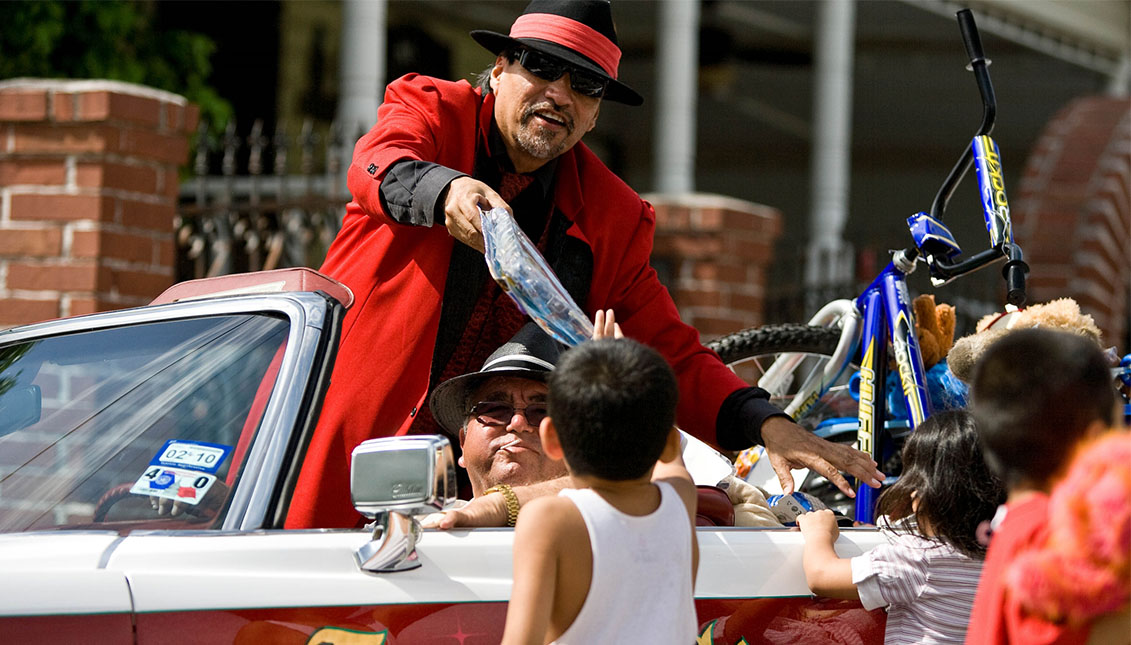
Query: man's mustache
(558, 114)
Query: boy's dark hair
(943, 465)
(1034, 393)
(613, 404)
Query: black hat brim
(449, 400)
(496, 43)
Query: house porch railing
(261, 202)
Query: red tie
(494, 319)
(512, 184)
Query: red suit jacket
(398, 272)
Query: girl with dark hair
(928, 574)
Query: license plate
(182, 471)
(177, 484)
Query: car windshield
(138, 426)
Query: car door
(180, 418)
(287, 586)
(53, 590)
(293, 586)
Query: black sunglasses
(550, 69)
(496, 413)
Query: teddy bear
(934, 326)
(1062, 314)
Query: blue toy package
(522, 272)
(787, 507)
(944, 389)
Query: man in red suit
(411, 249)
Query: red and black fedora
(580, 32)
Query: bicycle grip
(970, 36)
(1014, 272)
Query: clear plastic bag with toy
(523, 273)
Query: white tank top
(641, 591)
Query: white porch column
(362, 70)
(677, 80)
(830, 256)
(1120, 83)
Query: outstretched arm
(536, 565)
(463, 200)
(675, 473)
(491, 510)
(826, 573)
(791, 446)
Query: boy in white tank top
(612, 560)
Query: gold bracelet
(511, 501)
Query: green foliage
(8, 357)
(110, 39)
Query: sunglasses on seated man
(497, 413)
(550, 69)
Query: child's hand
(605, 325)
(818, 525)
(826, 573)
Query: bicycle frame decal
(866, 433)
(991, 183)
(887, 314)
(873, 402)
(811, 399)
(912, 375)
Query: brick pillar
(88, 192)
(712, 253)
(1073, 213)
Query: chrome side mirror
(392, 480)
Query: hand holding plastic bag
(522, 272)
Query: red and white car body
(146, 460)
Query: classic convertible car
(147, 457)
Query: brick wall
(88, 189)
(712, 253)
(1073, 212)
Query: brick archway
(1073, 214)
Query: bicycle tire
(775, 339)
(750, 351)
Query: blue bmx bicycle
(831, 374)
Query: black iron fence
(271, 200)
(261, 201)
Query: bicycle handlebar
(948, 271)
(1014, 273)
(979, 64)
(1015, 268)
(970, 36)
